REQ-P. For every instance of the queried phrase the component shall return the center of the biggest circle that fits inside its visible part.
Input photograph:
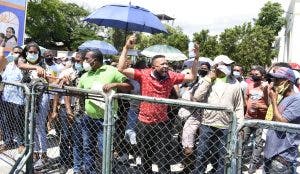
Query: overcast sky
(195, 15)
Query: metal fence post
(231, 145)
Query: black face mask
(49, 61)
(256, 78)
(202, 72)
(159, 76)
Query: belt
(282, 160)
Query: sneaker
(39, 164)
(52, 133)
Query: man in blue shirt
(281, 149)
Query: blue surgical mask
(78, 66)
(12, 57)
(32, 58)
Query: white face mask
(86, 66)
(236, 74)
(225, 69)
(32, 58)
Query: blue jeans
(211, 148)
(40, 136)
(77, 130)
(273, 166)
(13, 123)
(92, 136)
(131, 125)
(66, 141)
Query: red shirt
(256, 94)
(152, 87)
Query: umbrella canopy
(295, 66)
(104, 47)
(171, 53)
(188, 63)
(127, 17)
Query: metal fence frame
(264, 124)
(230, 166)
(22, 159)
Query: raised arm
(3, 61)
(129, 72)
(191, 77)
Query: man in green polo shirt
(103, 78)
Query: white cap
(222, 58)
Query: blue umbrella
(104, 47)
(128, 18)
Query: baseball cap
(222, 58)
(284, 73)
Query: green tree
(271, 15)
(209, 45)
(51, 21)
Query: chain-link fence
(14, 135)
(267, 146)
(68, 130)
(71, 130)
(165, 135)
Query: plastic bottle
(191, 50)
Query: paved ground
(8, 158)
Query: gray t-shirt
(282, 143)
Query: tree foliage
(271, 16)
(51, 21)
(248, 44)
(209, 46)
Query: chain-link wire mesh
(172, 140)
(268, 147)
(68, 130)
(14, 115)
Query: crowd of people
(259, 94)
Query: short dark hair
(12, 30)
(97, 55)
(156, 57)
(18, 47)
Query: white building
(289, 40)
